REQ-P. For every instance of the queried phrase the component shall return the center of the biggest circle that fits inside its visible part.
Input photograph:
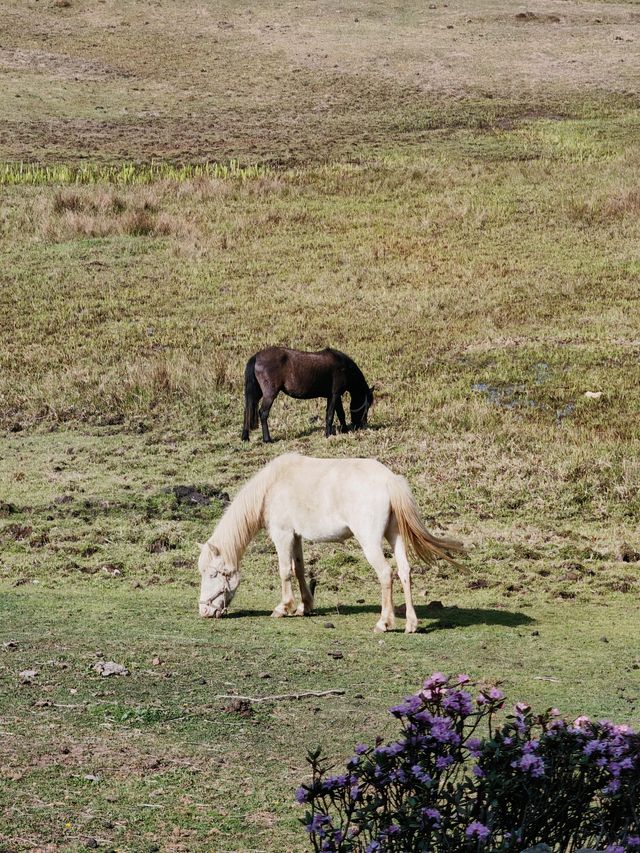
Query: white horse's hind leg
(284, 542)
(305, 608)
(375, 555)
(404, 573)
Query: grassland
(450, 195)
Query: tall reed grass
(125, 174)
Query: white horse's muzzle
(207, 611)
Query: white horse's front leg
(284, 542)
(305, 608)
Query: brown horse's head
(359, 412)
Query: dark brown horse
(304, 375)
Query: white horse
(323, 500)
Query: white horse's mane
(244, 517)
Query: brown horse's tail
(252, 395)
(415, 535)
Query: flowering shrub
(442, 787)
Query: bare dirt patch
(293, 82)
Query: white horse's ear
(215, 551)
(201, 545)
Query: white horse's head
(219, 582)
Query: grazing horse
(323, 500)
(304, 375)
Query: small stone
(336, 655)
(359, 600)
(593, 395)
(107, 668)
(329, 625)
(27, 675)
(603, 640)
(156, 661)
(264, 675)
(91, 843)
(202, 681)
(535, 633)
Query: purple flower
(442, 731)
(444, 761)
(474, 745)
(522, 708)
(614, 848)
(463, 679)
(438, 679)
(420, 774)
(633, 841)
(332, 782)
(302, 795)
(361, 748)
(433, 815)
(410, 705)
(531, 764)
(477, 830)
(593, 746)
(459, 702)
(318, 822)
(478, 771)
(495, 694)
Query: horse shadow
(440, 618)
(318, 429)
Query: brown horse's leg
(331, 407)
(305, 608)
(340, 414)
(267, 402)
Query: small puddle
(509, 396)
(506, 396)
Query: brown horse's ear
(214, 550)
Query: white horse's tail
(415, 535)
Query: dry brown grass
(620, 204)
(102, 211)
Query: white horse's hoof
(411, 628)
(301, 610)
(380, 628)
(279, 612)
